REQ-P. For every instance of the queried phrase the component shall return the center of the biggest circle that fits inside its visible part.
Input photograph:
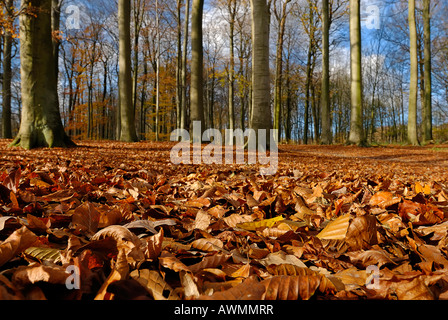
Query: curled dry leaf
(210, 262)
(153, 246)
(154, 283)
(16, 243)
(169, 261)
(119, 272)
(125, 240)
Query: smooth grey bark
(41, 124)
(261, 117)
(197, 68)
(356, 119)
(7, 73)
(325, 91)
(413, 85)
(128, 132)
(427, 121)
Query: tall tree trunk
(427, 121)
(179, 64)
(127, 116)
(261, 109)
(138, 20)
(196, 94)
(183, 111)
(279, 68)
(325, 91)
(157, 72)
(41, 124)
(232, 13)
(413, 85)
(356, 120)
(7, 72)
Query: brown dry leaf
(377, 256)
(153, 246)
(250, 289)
(288, 270)
(412, 290)
(380, 198)
(119, 272)
(291, 287)
(169, 261)
(420, 214)
(86, 218)
(233, 220)
(361, 233)
(202, 220)
(16, 243)
(125, 240)
(198, 203)
(217, 211)
(352, 278)
(154, 283)
(242, 272)
(209, 244)
(8, 291)
(336, 229)
(280, 257)
(210, 262)
(189, 285)
(25, 275)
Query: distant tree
(41, 124)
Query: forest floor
(110, 220)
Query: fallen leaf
(16, 243)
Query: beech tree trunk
(7, 72)
(356, 122)
(413, 85)
(41, 124)
(197, 90)
(127, 116)
(325, 91)
(261, 109)
(427, 121)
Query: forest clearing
(128, 224)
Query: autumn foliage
(138, 227)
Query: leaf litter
(136, 226)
